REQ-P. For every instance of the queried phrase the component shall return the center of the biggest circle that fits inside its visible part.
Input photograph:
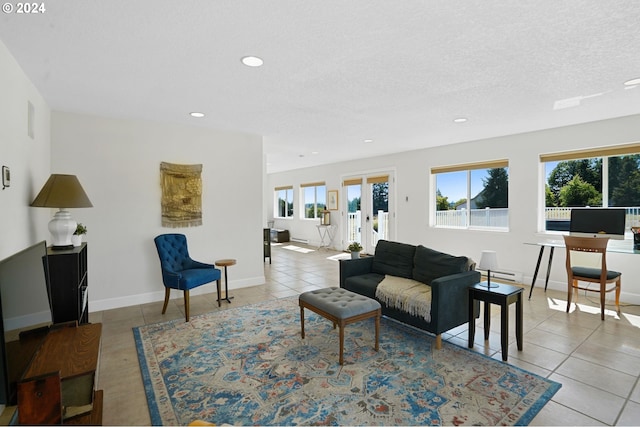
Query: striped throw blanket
(407, 295)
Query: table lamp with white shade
(489, 261)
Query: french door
(367, 210)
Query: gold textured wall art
(181, 195)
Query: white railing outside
(487, 217)
(353, 227)
(632, 217)
(354, 232)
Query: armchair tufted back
(173, 252)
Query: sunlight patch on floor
(298, 249)
(633, 319)
(338, 257)
(561, 305)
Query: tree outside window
(476, 197)
(284, 197)
(315, 200)
(606, 181)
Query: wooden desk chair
(589, 274)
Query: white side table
(327, 233)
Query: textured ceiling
(336, 72)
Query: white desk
(618, 246)
(327, 233)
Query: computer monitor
(598, 222)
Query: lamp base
(61, 248)
(490, 285)
(62, 228)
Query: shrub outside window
(472, 196)
(314, 196)
(284, 202)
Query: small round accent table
(225, 263)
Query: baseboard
(129, 300)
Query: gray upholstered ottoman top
(339, 302)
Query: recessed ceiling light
(460, 120)
(368, 141)
(315, 152)
(196, 114)
(632, 82)
(252, 61)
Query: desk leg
(504, 330)
(487, 319)
(546, 280)
(519, 327)
(535, 273)
(472, 321)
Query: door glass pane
(380, 214)
(354, 195)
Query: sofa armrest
(354, 267)
(450, 299)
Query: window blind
(503, 163)
(618, 150)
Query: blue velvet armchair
(179, 271)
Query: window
(284, 202)
(472, 196)
(605, 177)
(314, 197)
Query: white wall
(118, 164)
(27, 158)
(525, 198)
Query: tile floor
(598, 363)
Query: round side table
(225, 263)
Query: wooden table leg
(504, 330)
(472, 321)
(519, 327)
(487, 319)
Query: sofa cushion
(364, 284)
(430, 264)
(393, 258)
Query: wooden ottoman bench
(341, 307)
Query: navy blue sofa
(449, 277)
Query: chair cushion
(394, 258)
(430, 265)
(198, 276)
(364, 284)
(593, 273)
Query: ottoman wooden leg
(377, 329)
(341, 342)
(302, 320)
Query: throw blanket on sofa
(407, 295)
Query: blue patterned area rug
(249, 366)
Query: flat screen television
(598, 222)
(26, 314)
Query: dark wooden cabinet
(59, 385)
(266, 243)
(68, 284)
